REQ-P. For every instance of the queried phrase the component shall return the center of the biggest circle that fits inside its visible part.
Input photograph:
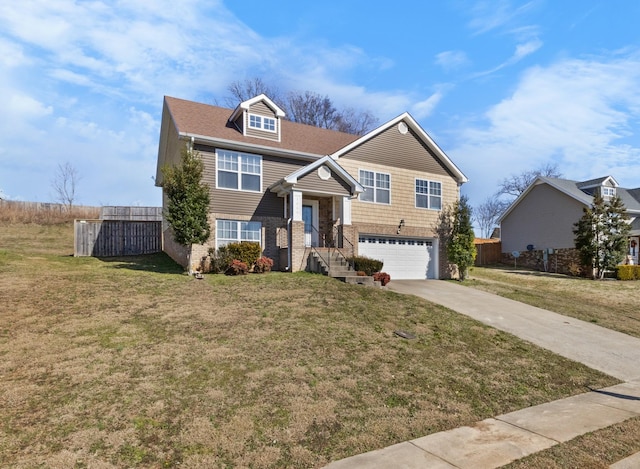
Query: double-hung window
(240, 171)
(608, 192)
(377, 187)
(428, 194)
(262, 123)
(235, 231)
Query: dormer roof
(608, 181)
(246, 105)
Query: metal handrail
(333, 244)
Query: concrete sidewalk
(505, 438)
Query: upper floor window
(262, 123)
(608, 192)
(240, 171)
(377, 187)
(428, 194)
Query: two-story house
(291, 186)
(539, 224)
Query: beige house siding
(393, 149)
(170, 147)
(544, 219)
(403, 199)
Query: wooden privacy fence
(488, 251)
(109, 238)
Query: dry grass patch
(130, 363)
(609, 303)
(596, 450)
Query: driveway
(611, 352)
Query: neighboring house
(292, 187)
(541, 220)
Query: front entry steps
(332, 263)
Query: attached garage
(404, 258)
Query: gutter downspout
(289, 250)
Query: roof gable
(406, 124)
(576, 190)
(285, 184)
(246, 105)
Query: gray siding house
(541, 220)
(293, 187)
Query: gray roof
(630, 197)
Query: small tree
(456, 232)
(64, 183)
(601, 234)
(187, 201)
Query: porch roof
(288, 183)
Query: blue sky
(501, 86)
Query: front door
(307, 217)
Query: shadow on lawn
(159, 263)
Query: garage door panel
(403, 258)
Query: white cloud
(423, 109)
(576, 113)
(488, 15)
(451, 60)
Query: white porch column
(346, 211)
(296, 209)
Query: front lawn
(130, 363)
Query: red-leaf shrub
(263, 264)
(382, 277)
(237, 268)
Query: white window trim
(262, 126)
(374, 201)
(239, 172)
(239, 231)
(608, 191)
(415, 194)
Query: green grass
(132, 363)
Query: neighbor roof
(211, 123)
(630, 197)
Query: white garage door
(404, 258)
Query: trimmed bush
(237, 268)
(218, 261)
(263, 264)
(382, 277)
(628, 272)
(246, 251)
(365, 264)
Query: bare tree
(355, 122)
(486, 215)
(305, 107)
(65, 183)
(312, 109)
(516, 184)
(241, 90)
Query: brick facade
(561, 261)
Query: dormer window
(608, 192)
(262, 123)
